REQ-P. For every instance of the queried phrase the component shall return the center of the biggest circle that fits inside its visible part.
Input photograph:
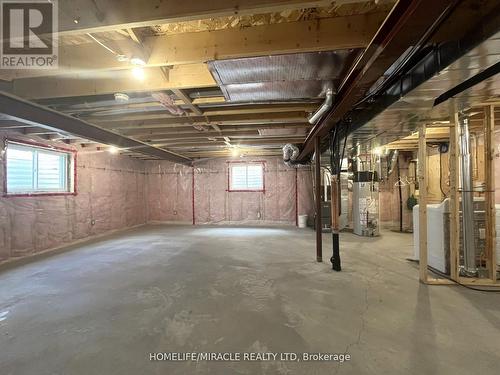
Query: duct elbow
(325, 107)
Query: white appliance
(437, 257)
(365, 201)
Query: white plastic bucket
(302, 221)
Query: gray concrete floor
(104, 306)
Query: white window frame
(67, 185)
(246, 164)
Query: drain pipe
(469, 268)
(325, 107)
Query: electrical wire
(102, 44)
(441, 176)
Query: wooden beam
(166, 117)
(94, 83)
(260, 108)
(454, 195)
(159, 122)
(134, 36)
(422, 204)
(324, 34)
(187, 101)
(37, 116)
(188, 129)
(84, 16)
(234, 134)
(203, 143)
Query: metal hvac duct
(469, 268)
(325, 107)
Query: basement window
(36, 170)
(246, 177)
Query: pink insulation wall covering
(110, 192)
(117, 192)
(170, 193)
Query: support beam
(454, 195)
(408, 24)
(21, 110)
(317, 187)
(335, 225)
(422, 204)
(92, 16)
(326, 34)
(250, 142)
(95, 83)
(188, 129)
(157, 121)
(188, 101)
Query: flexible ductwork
(469, 268)
(290, 154)
(325, 107)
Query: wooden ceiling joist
(106, 82)
(195, 48)
(87, 16)
(32, 114)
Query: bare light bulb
(113, 150)
(139, 74)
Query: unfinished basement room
(247, 187)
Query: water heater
(365, 202)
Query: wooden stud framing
(422, 217)
(454, 198)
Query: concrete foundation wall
(110, 196)
(170, 193)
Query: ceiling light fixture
(235, 152)
(122, 58)
(139, 74)
(121, 97)
(113, 150)
(137, 61)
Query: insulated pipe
(325, 107)
(467, 200)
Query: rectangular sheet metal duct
(21, 110)
(281, 77)
(467, 200)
